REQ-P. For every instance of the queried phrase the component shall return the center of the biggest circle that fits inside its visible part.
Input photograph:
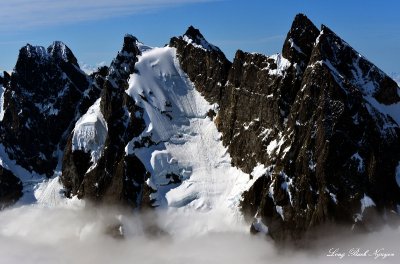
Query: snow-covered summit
(195, 38)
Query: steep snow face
(90, 133)
(187, 143)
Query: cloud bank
(21, 14)
(34, 234)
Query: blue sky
(94, 29)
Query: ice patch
(90, 133)
(294, 46)
(366, 202)
(47, 108)
(281, 63)
(49, 193)
(260, 226)
(272, 146)
(286, 185)
(359, 160)
(279, 210)
(259, 170)
(333, 197)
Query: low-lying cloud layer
(22, 14)
(63, 235)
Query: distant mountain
(89, 69)
(292, 141)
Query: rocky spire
(205, 64)
(194, 37)
(59, 51)
(127, 56)
(341, 147)
(115, 178)
(300, 41)
(352, 70)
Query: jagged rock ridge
(206, 65)
(107, 174)
(316, 118)
(319, 121)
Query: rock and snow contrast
(279, 144)
(396, 77)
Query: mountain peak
(300, 40)
(326, 30)
(350, 67)
(194, 37)
(59, 50)
(130, 44)
(31, 51)
(193, 33)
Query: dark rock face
(339, 153)
(10, 188)
(4, 78)
(117, 178)
(312, 117)
(299, 41)
(205, 64)
(46, 93)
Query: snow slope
(29, 179)
(90, 133)
(187, 148)
(188, 143)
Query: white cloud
(33, 234)
(20, 14)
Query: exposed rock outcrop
(319, 118)
(46, 93)
(10, 188)
(112, 177)
(204, 63)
